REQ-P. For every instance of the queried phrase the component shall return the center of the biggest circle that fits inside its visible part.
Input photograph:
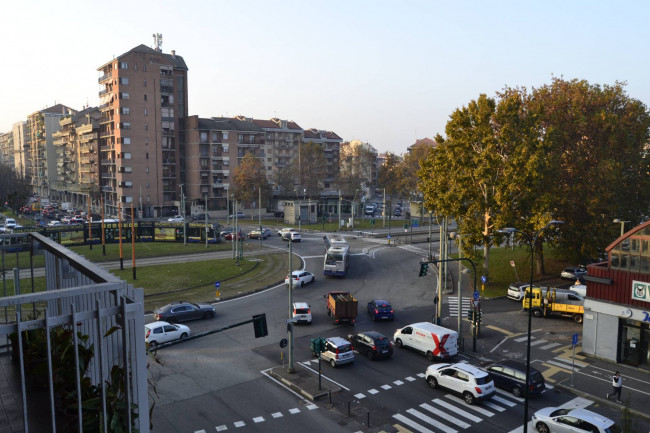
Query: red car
(230, 236)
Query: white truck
(432, 340)
(67, 206)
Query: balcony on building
(105, 77)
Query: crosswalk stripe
(431, 421)
(537, 342)
(445, 415)
(562, 366)
(549, 346)
(258, 419)
(568, 361)
(494, 406)
(359, 396)
(372, 391)
(277, 415)
(386, 387)
(456, 410)
(398, 382)
(519, 399)
(504, 401)
(221, 428)
(312, 406)
(520, 339)
(474, 407)
(412, 424)
(410, 379)
(239, 424)
(420, 375)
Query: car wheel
(537, 313)
(516, 391)
(398, 343)
(370, 354)
(433, 383)
(313, 279)
(183, 335)
(542, 428)
(430, 356)
(302, 283)
(577, 318)
(333, 363)
(153, 345)
(468, 397)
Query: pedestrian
(617, 385)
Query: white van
(432, 340)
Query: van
(301, 312)
(432, 340)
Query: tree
(14, 190)
(389, 174)
(248, 177)
(311, 169)
(407, 180)
(357, 167)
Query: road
(217, 383)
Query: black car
(380, 309)
(511, 376)
(182, 311)
(372, 344)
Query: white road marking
(445, 415)
(473, 407)
(359, 396)
(277, 415)
(456, 410)
(258, 419)
(504, 401)
(431, 421)
(412, 424)
(239, 424)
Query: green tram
(145, 231)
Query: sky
(384, 72)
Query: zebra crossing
(466, 305)
(259, 420)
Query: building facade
(331, 144)
(213, 148)
(617, 308)
(143, 106)
(40, 165)
(20, 149)
(7, 149)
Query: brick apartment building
(331, 144)
(143, 105)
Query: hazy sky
(384, 72)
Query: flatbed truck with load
(548, 302)
(341, 307)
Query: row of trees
(568, 150)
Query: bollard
(349, 407)
(368, 425)
(330, 396)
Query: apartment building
(281, 144)
(77, 145)
(213, 148)
(40, 165)
(360, 159)
(7, 149)
(331, 144)
(20, 148)
(143, 106)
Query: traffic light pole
(291, 368)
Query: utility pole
(291, 368)
(206, 220)
(183, 214)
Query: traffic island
(304, 381)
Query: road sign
(388, 237)
(476, 303)
(574, 340)
(483, 279)
(217, 284)
(476, 294)
(283, 343)
(512, 263)
(292, 320)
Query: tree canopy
(14, 190)
(248, 177)
(569, 150)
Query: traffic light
(424, 266)
(259, 325)
(469, 313)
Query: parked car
(300, 278)
(472, 383)
(372, 344)
(301, 312)
(239, 215)
(183, 311)
(516, 290)
(292, 236)
(380, 309)
(176, 219)
(573, 273)
(162, 332)
(511, 376)
(555, 419)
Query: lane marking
(412, 424)
(456, 410)
(431, 421)
(474, 408)
(445, 415)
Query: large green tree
(14, 190)
(389, 174)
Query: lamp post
(532, 238)
(622, 225)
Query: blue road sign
(483, 279)
(574, 340)
(217, 284)
(476, 294)
(388, 236)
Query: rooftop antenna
(157, 41)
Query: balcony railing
(104, 77)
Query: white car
(300, 278)
(163, 332)
(292, 236)
(284, 230)
(301, 312)
(516, 290)
(177, 219)
(470, 382)
(10, 223)
(555, 419)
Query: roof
(228, 124)
(275, 123)
(320, 134)
(177, 61)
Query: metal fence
(77, 348)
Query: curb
(288, 383)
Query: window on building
(146, 141)
(124, 80)
(147, 169)
(225, 148)
(126, 140)
(224, 134)
(144, 67)
(147, 184)
(203, 137)
(126, 155)
(146, 155)
(226, 163)
(124, 65)
(125, 110)
(135, 67)
(146, 126)
(145, 111)
(214, 137)
(240, 138)
(145, 96)
(126, 125)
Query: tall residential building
(7, 149)
(213, 148)
(360, 159)
(77, 147)
(331, 144)
(20, 149)
(282, 140)
(40, 165)
(143, 104)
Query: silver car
(565, 420)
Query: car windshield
(613, 429)
(560, 412)
(382, 342)
(344, 348)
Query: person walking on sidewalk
(617, 385)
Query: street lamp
(532, 238)
(622, 225)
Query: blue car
(380, 309)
